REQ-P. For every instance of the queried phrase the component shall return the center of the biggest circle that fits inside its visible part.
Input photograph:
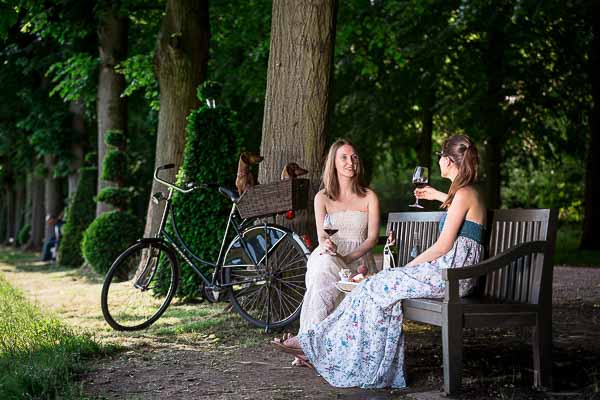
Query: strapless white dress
(321, 296)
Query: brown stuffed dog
(245, 179)
(292, 170)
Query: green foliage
(79, 214)
(115, 138)
(75, 77)
(108, 236)
(567, 248)
(118, 197)
(201, 215)
(38, 355)
(115, 166)
(139, 73)
(23, 234)
(546, 184)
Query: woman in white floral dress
(361, 343)
(354, 210)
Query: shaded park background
(396, 77)
(96, 94)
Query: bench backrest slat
(522, 281)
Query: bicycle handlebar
(192, 186)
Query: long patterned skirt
(361, 343)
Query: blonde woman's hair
(330, 181)
(461, 150)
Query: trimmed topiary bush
(23, 234)
(201, 216)
(115, 138)
(79, 215)
(112, 232)
(115, 166)
(108, 236)
(118, 197)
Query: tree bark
(424, 139)
(298, 96)
(111, 107)
(180, 62)
(78, 124)
(493, 122)
(590, 240)
(38, 222)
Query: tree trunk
(53, 196)
(38, 222)
(19, 208)
(78, 125)
(591, 218)
(424, 139)
(493, 123)
(111, 107)
(180, 61)
(298, 96)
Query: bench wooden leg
(452, 347)
(542, 352)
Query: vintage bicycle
(261, 269)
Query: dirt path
(202, 351)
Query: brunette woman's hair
(330, 181)
(461, 150)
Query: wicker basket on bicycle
(274, 198)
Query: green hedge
(108, 236)
(118, 197)
(79, 215)
(115, 138)
(115, 166)
(201, 215)
(23, 234)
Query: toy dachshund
(245, 179)
(291, 171)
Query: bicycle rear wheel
(266, 288)
(131, 295)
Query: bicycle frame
(178, 243)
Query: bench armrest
(497, 262)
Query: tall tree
(180, 64)
(111, 106)
(298, 98)
(589, 238)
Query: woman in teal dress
(361, 343)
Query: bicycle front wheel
(139, 286)
(266, 287)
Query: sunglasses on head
(441, 154)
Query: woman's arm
(373, 231)
(320, 211)
(429, 193)
(457, 213)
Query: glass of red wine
(420, 179)
(329, 228)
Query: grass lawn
(38, 354)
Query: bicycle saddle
(231, 193)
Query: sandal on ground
(280, 345)
(302, 361)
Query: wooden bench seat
(514, 284)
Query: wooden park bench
(514, 286)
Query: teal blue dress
(361, 343)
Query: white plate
(346, 287)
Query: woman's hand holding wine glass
(420, 179)
(330, 230)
